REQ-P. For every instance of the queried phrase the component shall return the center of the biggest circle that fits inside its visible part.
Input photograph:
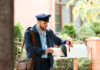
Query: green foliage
(64, 36)
(83, 63)
(18, 39)
(90, 29)
(67, 64)
(98, 35)
(69, 30)
(18, 32)
(98, 15)
(96, 27)
(87, 9)
(86, 31)
(64, 64)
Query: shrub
(18, 39)
(86, 31)
(64, 64)
(69, 30)
(83, 63)
(65, 36)
(67, 64)
(18, 32)
(96, 27)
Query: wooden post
(6, 35)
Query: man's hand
(49, 50)
(65, 41)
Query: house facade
(25, 11)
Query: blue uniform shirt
(43, 41)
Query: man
(45, 40)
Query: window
(62, 14)
(58, 16)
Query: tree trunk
(6, 35)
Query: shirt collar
(40, 31)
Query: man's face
(43, 25)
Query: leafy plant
(87, 9)
(69, 30)
(83, 63)
(67, 64)
(86, 31)
(96, 27)
(64, 64)
(90, 29)
(18, 32)
(18, 39)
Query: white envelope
(57, 52)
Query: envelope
(57, 52)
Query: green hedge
(96, 27)
(90, 30)
(64, 64)
(18, 39)
(67, 64)
(18, 32)
(69, 30)
(86, 31)
(83, 63)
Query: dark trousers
(45, 64)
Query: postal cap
(43, 17)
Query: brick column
(75, 63)
(6, 35)
(94, 43)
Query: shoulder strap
(33, 41)
(33, 37)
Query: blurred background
(74, 20)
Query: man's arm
(57, 40)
